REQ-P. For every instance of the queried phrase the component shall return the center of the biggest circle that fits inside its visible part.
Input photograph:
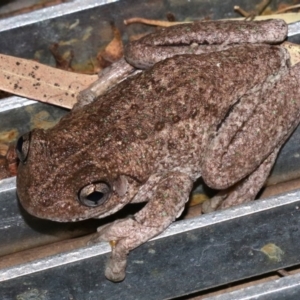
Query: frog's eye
(22, 147)
(94, 194)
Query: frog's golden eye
(22, 147)
(94, 194)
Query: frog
(222, 115)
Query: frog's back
(165, 116)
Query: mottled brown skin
(202, 37)
(154, 134)
(190, 38)
(135, 129)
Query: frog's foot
(227, 198)
(167, 194)
(245, 190)
(119, 235)
(212, 204)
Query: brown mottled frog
(220, 115)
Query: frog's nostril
(22, 147)
(94, 194)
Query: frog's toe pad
(212, 204)
(115, 270)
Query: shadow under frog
(220, 115)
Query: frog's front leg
(166, 201)
(109, 77)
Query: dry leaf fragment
(112, 52)
(40, 82)
(198, 199)
(62, 61)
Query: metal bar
(287, 288)
(50, 13)
(180, 261)
(294, 29)
(14, 102)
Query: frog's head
(60, 183)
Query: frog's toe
(212, 204)
(115, 270)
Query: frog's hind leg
(245, 190)
(249, 135)
(245, 147)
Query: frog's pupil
(95, 196)
(19, 144)
(22, 147)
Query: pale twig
(262, 6)
(283, 273)
(287, 8)
(259, 10)
(151, 22)
(241, 11)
